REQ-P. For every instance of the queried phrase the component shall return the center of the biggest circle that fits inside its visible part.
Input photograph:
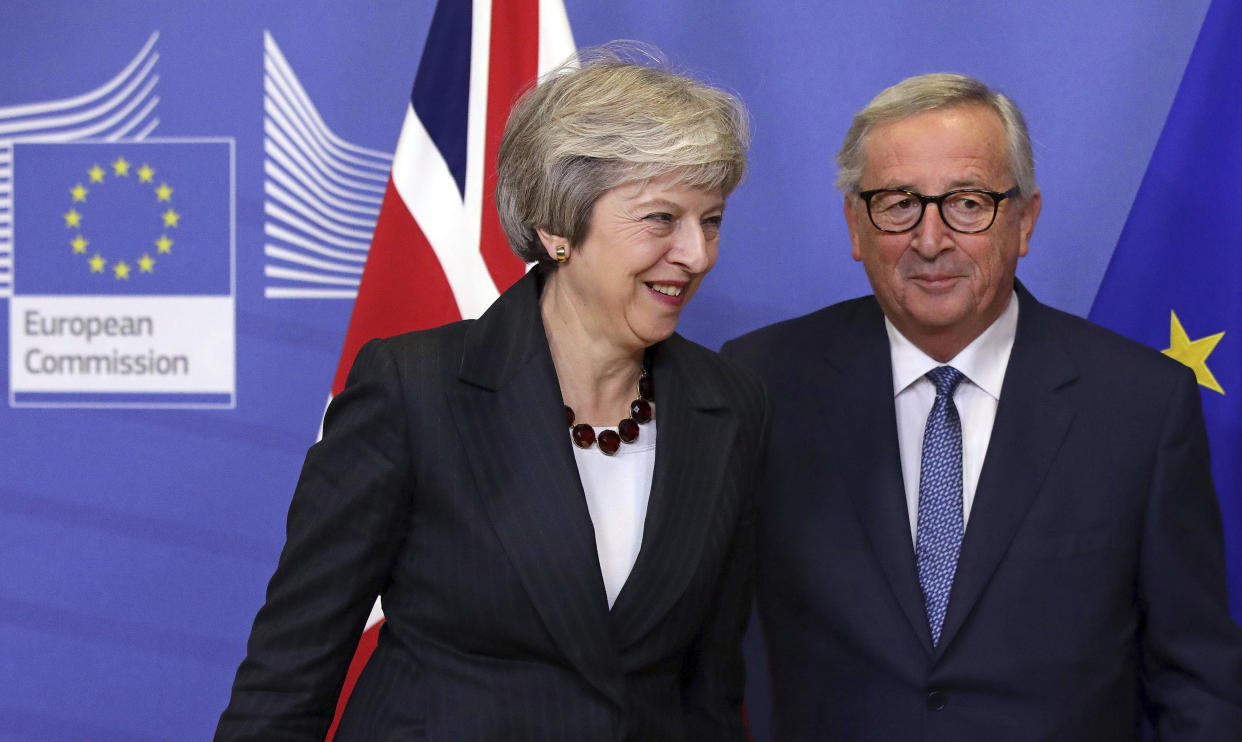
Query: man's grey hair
(922, 93)
(614, 114)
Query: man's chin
(937, 312)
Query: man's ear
(850, 207)
(1026, 221)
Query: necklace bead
(610, 440)
(627, 429)
(583, 435)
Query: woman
(519, 603)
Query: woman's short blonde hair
(615, 114)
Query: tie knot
(946, 379)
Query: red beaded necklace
(610, 440)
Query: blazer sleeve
(347, 520)
(1191, 648)
(714, 674)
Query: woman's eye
(659, 217)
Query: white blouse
(617, 488)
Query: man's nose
(931, 236)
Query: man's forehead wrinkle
(927, 153)
(911, 173)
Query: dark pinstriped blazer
(446, 483)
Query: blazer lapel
(509, 413)
(1031, 423)
(860, 394)
(686, 487)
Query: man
(984, 519)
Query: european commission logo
(121, 252)
(122, 218)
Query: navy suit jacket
(1090, 593)
(446, 483)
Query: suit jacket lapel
(509, 413)
(860, 395)
(685, 490)
(1032, 420)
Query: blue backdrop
(137, 540)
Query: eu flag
(123, 218)
(1175, 280)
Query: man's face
(941, 288)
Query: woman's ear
(556, 246)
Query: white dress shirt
(617, 489)
(983, 363)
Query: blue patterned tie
(939, 530)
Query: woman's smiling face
(647, 249)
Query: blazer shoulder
(430, 352)
(1098, 350)
(704, 364)
(435, 339)
(785, 341)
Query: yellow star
(120, 167)
(121, 270)
(145, 173)
(79, 245)
(170, 218)
(146, 263)
(73, 218)
(164, 244)
(164, 192)
(97, 263)
(1193, 353)
(96, 174)
(78, 192)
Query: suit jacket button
(936, 700)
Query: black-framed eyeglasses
(965, 210)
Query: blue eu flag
(122, 218)
(1175, 280)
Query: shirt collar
(983, 361)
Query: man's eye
(895, 204)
